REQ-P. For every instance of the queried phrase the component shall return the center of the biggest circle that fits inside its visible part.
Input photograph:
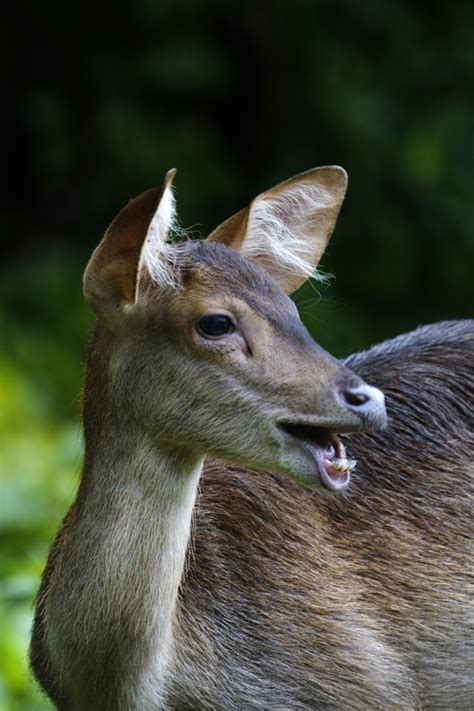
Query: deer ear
(286, 229)
(136, 237)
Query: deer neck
(126, 554)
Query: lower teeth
(345, 465)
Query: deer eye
(215, 325)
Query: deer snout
(365, 401)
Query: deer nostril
(355, 397)
(365, 402)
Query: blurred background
(106, 97)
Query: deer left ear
(286, 229)
(136, 237)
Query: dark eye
(215, 325)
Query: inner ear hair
(286, 229)
(135, 238)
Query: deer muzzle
(318, 455)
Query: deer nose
(367, 402)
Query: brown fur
(354, 602)
(293, 600)
(277, 597)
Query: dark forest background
(104, 98)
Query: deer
(258, 524)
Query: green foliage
(237, 99)
(40, 446)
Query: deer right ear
(136, 237)
(286, 229)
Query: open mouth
(327, 452)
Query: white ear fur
(156, 252)
(286, 229)
(135, 242)
(277, 233)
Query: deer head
(206, 352)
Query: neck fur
(121, 570)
